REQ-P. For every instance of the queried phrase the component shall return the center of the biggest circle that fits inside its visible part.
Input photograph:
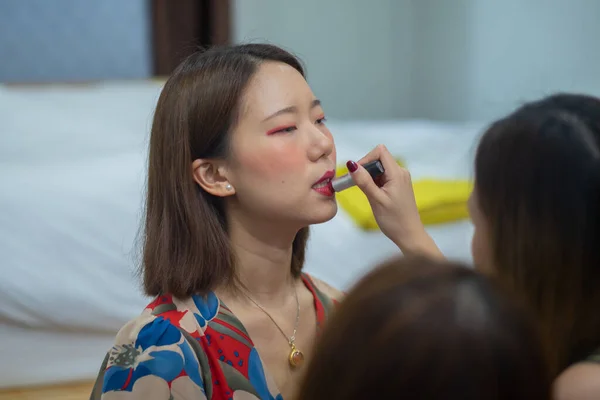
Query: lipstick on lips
(374, 168)
(323, 185)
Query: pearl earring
(228, 187)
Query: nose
(321, 144)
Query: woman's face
(480, 244)
(281, 149)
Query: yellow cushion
(438, 201)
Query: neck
(263, 261)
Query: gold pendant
(296, 357)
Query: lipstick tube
(374, 168)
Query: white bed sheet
(72, 164)
(33, 357)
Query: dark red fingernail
(352, 166)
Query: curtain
(179, 27)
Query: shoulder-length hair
(537, 175)
(186, 248)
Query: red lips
(325, 189)
(326, 175)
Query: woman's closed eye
(282, 129)
(291, 128)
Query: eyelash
(289, 129)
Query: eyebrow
(292, 109)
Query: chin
(325, 213)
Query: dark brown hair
(186, 247)
(421, 329)
(537, 175)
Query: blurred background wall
(67, 40)
(379, 59)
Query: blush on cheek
(275, 163)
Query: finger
(371, 156)
(363, 180)
(375, 155)
(388, 160)
(390, 165)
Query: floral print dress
(190, 349)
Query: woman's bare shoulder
(580, 381)
(327, 289)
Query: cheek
(333, 151)
(476, 249)
(272, 162)
(481, 251)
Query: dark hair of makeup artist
(420, 329)
(537, 184)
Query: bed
(72, 172)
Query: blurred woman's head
(421, 329)
(536, 212)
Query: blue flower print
(208, 307)
(256, 375)
(158, 350)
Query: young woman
(239, 162)
(536, 212)
(420, 329)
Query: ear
(210, 175)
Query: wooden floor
(75, 391)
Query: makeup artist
(536, 212)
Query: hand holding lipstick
(393, 203)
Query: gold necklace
(296, 357)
